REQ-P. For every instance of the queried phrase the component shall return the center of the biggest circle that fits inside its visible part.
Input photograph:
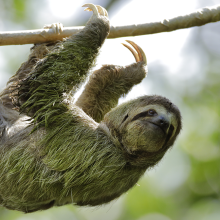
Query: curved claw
(133, 52)
(57, 27)
(91, 7)
(139, 55)
(97, 9)
(102, 10)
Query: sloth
(55, 150)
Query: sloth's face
(147, 128)
(143, 128)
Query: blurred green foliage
(20, 8)
(196, 192)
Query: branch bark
(198, 18)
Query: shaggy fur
(54, 152)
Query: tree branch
(198, 18)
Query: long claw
(91, 7)
(133, 52)
(139, 50)
(102, 10)
(87, 9)
(140, 55)
(97, 9)
(57, 27)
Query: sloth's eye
(151, 112)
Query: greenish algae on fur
(64, 156)
(60, 72)
(51, 165)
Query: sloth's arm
(108, 84)
(41, 94)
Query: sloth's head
(144, 128)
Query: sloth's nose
(162, 122)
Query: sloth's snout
(162, 122)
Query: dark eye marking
(149, 113)
(125, 118)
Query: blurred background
(184, 66)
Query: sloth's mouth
(168, 134)
(158, 127)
